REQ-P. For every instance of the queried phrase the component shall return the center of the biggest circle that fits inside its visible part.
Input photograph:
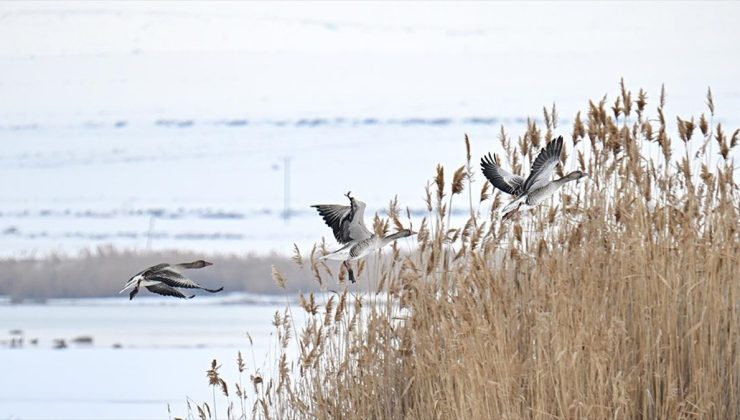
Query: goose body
(537, 186)
(164, 279)
(360, 249)
(348, 225)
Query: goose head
(197, 264)
(403, 233)
(575, 175)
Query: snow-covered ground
(165, 348)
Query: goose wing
(185, 283)
(501, 178)
(147, 271)
(544, 166)
(345, 221)
(175, 281)
(143, 274)
(165, 290)
(172, 277)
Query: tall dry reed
(618, 300)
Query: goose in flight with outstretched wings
(348, 225)
(163, 279)
(537, 186)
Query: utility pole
(286, 189)
(149, 232)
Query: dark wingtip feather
(486, 161)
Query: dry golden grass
(620, 301)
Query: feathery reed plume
(439, 180)
(641, 102)
(214, 380)
(724, 147)
(278, 278)
(428, 197)
(457, 180)
(579, 131)
(484, 195)
(661, 103)
(297, 258)
(626, 99)
(394, 212)
(617, 107)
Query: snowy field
(144, 354)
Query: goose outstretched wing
(347, 222)
(165, 290)
(174, 279)
(544, 166)
(149, 270)
(501, 178)
(142, 274)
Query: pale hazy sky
(106, 60)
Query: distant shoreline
(101, 274)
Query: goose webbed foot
(133, 293)
(508, 215)
(350, 273)
(511, 214)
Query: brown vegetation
(619, 301)
(104, 271)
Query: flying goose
(348, 225)
(164, 278)
(537, 186)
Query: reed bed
(619, 299)
(104, 271)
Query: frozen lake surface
(210, 187)
(162, 350)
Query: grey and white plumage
(347, 222)
(164, 279)
(348, 225)
(537, 186)
(359, 249)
